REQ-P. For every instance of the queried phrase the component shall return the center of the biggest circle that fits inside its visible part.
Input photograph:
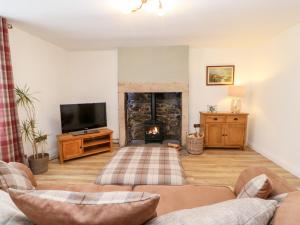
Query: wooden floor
(216, 167)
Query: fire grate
(153, 128)
(153, 131)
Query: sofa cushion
(288, 212)
(246, 211)
(174, 198)
(83, 208)
(11, 177)
(26, 170)
(279, 185)
(9, 212)
(86, 187)
(257, 187)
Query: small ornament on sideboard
(212, 108)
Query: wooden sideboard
(224, 130)
(75, 146)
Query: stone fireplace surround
(141, 113)
(152, 87)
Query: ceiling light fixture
(159, 10)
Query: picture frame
(220, 75)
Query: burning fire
(153, 130)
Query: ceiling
(100, 24)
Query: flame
(153, 131)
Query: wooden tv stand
(75, 146)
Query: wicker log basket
(195, 143)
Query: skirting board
(116, 141)
(295, 170)
(53, 154)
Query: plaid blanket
(143, 165)
(11, 177)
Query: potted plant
(38, 161)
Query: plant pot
(40, 164)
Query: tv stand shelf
(75, 146)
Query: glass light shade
(236, 105)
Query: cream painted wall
(275, 103)
(41, 66)
(93, 77)
(163, 64)
(202, 95)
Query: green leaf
(40, 137)
(24, 97)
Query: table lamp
(236, 92)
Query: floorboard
(213, 167)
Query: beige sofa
(189, 196)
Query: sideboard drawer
(215, 119)
(236, 119)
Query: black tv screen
(76, 117)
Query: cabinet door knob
(236, 118)
(215, 118)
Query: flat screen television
(77, 117)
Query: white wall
(202, 95)
(56, 76)
(93, 77)
(275, 103)
(41, 66)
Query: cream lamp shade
(236, 91)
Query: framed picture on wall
(220, 75)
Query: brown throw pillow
(11, 177)
(79, 208)
(258, 187)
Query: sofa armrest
(279, 184)
(26, 170)
(288, 210)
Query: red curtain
(11, 149)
